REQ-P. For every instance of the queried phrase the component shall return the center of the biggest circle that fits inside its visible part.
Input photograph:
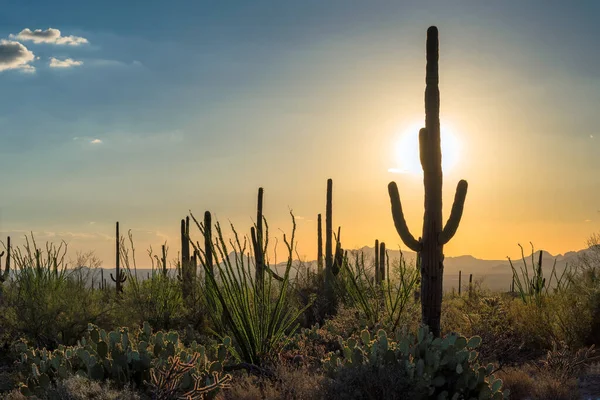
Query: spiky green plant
(435, 235)
(257, 316)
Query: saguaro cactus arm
(399, 221)
(456, 213)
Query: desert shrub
(422, 365)
(384, 304)
(291, 382)
(80, 388)
(139, 358)
(158, 299)
(52, 300)
(527, 382)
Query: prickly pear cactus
(121, 356)
(447, 366)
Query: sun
(406, 150)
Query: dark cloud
(13, 55)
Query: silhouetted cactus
(208, 252)
(164, 260)
(186, 274)
(382, 257)
(5, 275)
(329, 228)
(333, 261)
(119, 277)
(435, 236)
(377, 276)
(319, 245)
(257, 236)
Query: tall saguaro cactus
(377, 276)
(119, 277)
(319, 245)
(257, 241)
(187, 268)
(435, 235)
(208, 243)
(382, 259)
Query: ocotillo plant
(4, 275)
(119, 277)
(435, 235)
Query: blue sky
(195, 104)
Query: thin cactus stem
(319, 245)
(459, 282)
(435, 235)
(329, 228)
(164, 260)
(377, 277)
(119, 278)
(208, 253)
(185, 275)
(257, 242)
(382, 255)
(470, 285)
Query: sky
(140, 111)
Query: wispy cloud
(96, 141)
(14, 55)
(587, 220)
(50, 35)
(66, 63)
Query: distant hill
(494, 274)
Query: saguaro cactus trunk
(435, 235)
(377, 272)
(120, 277)
(208, 243)
(319, 245)
(382, 261)
(257, 242)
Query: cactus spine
(435, 236)
(119, 277)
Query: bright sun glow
(407, 151)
